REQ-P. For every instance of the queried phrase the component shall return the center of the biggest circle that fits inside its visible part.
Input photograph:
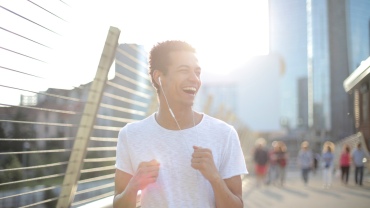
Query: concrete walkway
(295, 194)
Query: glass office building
(288, 40)
(323, 41)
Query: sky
(225, 33)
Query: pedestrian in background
(316, 159)
(357, 157)
(273, 166)
(261, 160)
(281, 161)
(328, 162)
(305, 161)
(345, 162)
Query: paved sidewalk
(295, 194)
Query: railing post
(78, 153)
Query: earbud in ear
(159, 80)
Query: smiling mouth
(190, 90)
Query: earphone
(168, 105)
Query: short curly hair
(159, 56)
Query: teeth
(190, 89)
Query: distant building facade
(333, 37)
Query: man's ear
(156, 75)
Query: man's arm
(127, 186)
(228, 192)
(124, 195)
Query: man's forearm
(125, 199)
(223, 196)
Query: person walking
(328, 162)
(261, 160)
(357, 157)
(345, 162)
(273, 166)
(305, 161)
(281, 160)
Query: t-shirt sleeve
(233, 162)
(123, 159)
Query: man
(357, 156)
(178, 157)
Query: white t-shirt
(178, 184)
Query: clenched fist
(146, 174)
(202, 160)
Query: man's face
(182, 81)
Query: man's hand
(202, 160)
(146, 174)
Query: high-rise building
(358, 22)
(288, 38)
(333, 37)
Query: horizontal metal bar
(103, 159)
(134, 92)
(33, 179)
(13, 70)
(101, 148)
(105, 139)
(64, 3)
(126, 110)
(137, 83)
(95, 188)
(47, 11)
(14, 33)
(96, 178)
(125, 53)
(93, 198)
(112, 167)
(40, 123)
(43, 109)
(107, 128)
(42, 93)
(138, 49)
(43, 78)
(132, 69)
(37, 139)
(7, 49)
(112, 118)
(25, 18)
(29, 192)
(123, 99)
(37, 151)
(40, 202)
(35, 167)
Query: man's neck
(184, 118)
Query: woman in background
(345, 162)
(328, 162)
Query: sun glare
(225, 33)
